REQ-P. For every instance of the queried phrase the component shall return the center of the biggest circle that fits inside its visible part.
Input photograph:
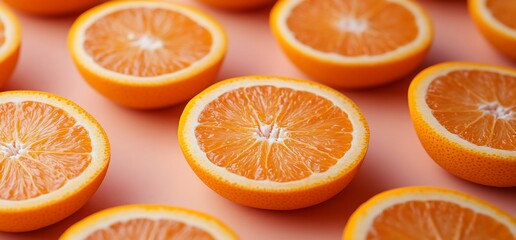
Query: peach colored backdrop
(147, 165)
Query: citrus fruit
(273, 142)
(149, 222)
(465, 117)
(237, 5)
(428, 213)
(52, 7)
(353, 44)
(10, 40)
(147, 54)
(53, 157)
(496, 20)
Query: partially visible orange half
(273, 142)
(350, 43)
(465, 117)
(147, 54)
(237, 5)
(422, 212)
(53, 157)
(52, 7)
(496, 20)
(145, 221)
(10, 41)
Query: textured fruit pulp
(478, 106)
(146, 42)
(503, 11)
(435, 220)
(352, 28)
(142, 228)
(41, 148)
(272, 133)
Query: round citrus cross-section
(149, 222)
(465, 117)
(353, 44)
(10, 40)
(53, 157)
(495, 20)
(423, 212)
(272, 142)
(147, 54)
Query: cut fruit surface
(272, 142)
(353, 44)
(428, 213)
(465, 117)
(149, 222)
(496, 20)
(147, 54)
(10, 40)
(53, 157)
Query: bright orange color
(10, 40)
(53, 157)
(274, 143)
(465, 116)
(428, 213)
(147, 54)
(237, 5)
(496, 20)
(353, 44)
(52, 7)
(149, 222)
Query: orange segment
(465, 117)
(147, 54)
(272, 142)
(53, 156)
(353, 44)
(497, 22)
(149, 222)
(10, 41)
(428, 213)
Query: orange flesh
(271, 133)
(150, 229)
(2, 34)
(435, 220)
(146, 42)
(478, 106)
(351, 27)
(41, 148)
(503, 11)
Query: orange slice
(428, 213)
(52, 7)
(465, 116)
(147, 54)
(496, 20)
(149, 222)
(353, 44)
(53, 157)
(273, 143)
(10, 40)
(237, 5)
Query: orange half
(53, 157)
(10, 41)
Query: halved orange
(273, 142)
(149, 222)
(428, 213)
(237, 5)
(147, 54)
(10, 40)
(353, 44)
(52, 7)
(496, 20)
(465, 116)
(53, 157)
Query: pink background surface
(147, 165)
